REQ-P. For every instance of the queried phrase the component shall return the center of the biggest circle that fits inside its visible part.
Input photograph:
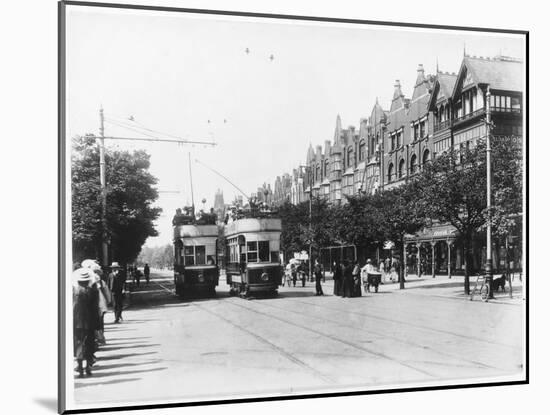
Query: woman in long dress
(85, 319)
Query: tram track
(409, 324)
(271, 345)
(378, 333)
(339, 340)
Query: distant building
(219, 205)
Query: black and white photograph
(269, 206)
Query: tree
(358, 222)
(398, 213)
(453, 189)
(297, 235)
(130, 195)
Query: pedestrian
(387, 265)
(137, 275)
(347, 280)
(85, 319)
(146, 272)
(337, 277)
(116, 285)
(301, 273)
(356, 275)
(367, 270)
(317, 270)
(293, 273)
(104, 297)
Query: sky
(175, 72)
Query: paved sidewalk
(443, 286)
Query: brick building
(445, 110)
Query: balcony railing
(465, 117)
(442, 125)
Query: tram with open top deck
(195, 253)
(252, 246)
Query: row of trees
(161, 257)
(452, 189)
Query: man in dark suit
(117, 279)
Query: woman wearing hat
(85, 318)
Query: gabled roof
(377, 114)
(442, 88)
(499, 73)
(398, 100)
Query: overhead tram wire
(138, 129)
(223, 177)
(136, 124)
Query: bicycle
(484, 289)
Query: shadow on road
(79, 385)
(122, 356)
(135, 346)
(124, 373)
(100, 367)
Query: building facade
(446, 110)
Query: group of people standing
(136, 274)
(93, 293)
(347, 278)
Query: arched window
(390, 172)
(426, 156)
(326, 168)
(413, 164)
(401, 168)
(350, 152)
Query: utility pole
(489, 262)
(191, 180)
(104, 244)
(102, 175)
(310, 222)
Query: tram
(252, 255)
(195, 253)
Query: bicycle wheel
(484, 292)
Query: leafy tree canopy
(131, 192)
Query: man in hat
(365, 271)
(116, 285)
(85, 318)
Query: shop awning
(434, 233)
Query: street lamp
(489, 262)
(310, 177)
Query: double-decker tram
(252, 254)
(195, 253)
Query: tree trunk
(467, 263)
(402, 266)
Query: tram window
(189, 255)
(252, 251)
(200, 255)
(263, 251)
(275, 256)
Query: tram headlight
(265, 276)
(201, 278)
